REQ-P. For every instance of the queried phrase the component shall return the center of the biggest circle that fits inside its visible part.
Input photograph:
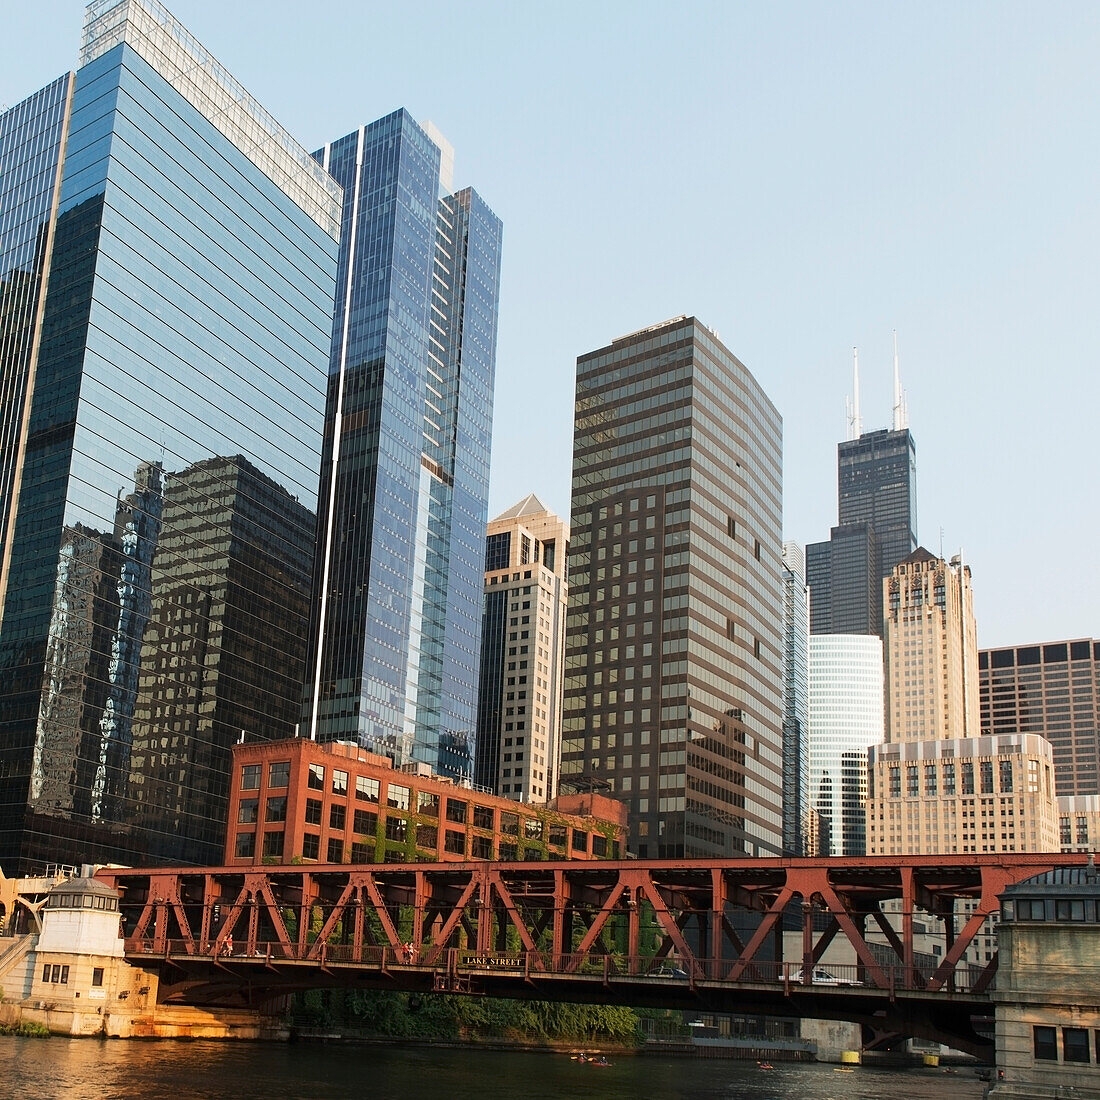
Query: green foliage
(28, 1029)
(445, 1017)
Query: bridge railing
(533, 964)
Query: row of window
(1053, 909)
(427, 838)
(1075, 1044)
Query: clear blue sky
(803, 178)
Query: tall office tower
(405, 477)
(931, 650)
(843, 576)
(519, 710)
(876, 524)
(796, 759)
(168, 283)
(877, 480)
(1052, 689)
(845, 720)
(674, 648)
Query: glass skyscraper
(846, 719)
(169, 260)
(405, 476)
(674, 645)
(796, 745)
(876, 529)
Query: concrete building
(1052, 689)
(169, 260)
(405, 463)
(931, 650)
(299, 801)
(674, 651)
(981, 794)
(1078, 821)
(845, 720)
(1048, 988)
(796, 744)
(522, 677)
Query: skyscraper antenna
(901, 413)
(855, 422)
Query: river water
(90, 1069)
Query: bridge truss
(708, 934)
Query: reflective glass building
(405, 477)
(674, 643)
(796, 744)
(846, 719)
(876, 529)
(168, 278)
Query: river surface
(91, 1069)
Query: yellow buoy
(849, 1057)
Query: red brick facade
(300, 801)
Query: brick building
(298, 800)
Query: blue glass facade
(404, 484)
(160, 551)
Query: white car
(821, 976)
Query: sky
(804, 178)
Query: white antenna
(901, 413)
(855, 421)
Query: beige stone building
(930, 648)
(1048, 988)
(520, 689)
(1078, 822)
(978, 794)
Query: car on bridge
(821, 976)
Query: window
(366, 822)
(557, 836)
(580, 840)
(56, 974)
(97, 976)
(1069, 909)
(1075, 1044)
(912, 780)
(336, 851)
(949, 779)
(895, 781)
(456, 811)
(245, 847)
(361, 853)
(273, 844)
(396, 828)
(248, 813)
(339, 782)
(250, 777)
(427, 837)
(1030, 909)
(276, 808)
(1006, 777)
(427, 804)
(453, 841)
(278, 774)
(532, 829)
(337, 816)
(599, 844)
(481, 847)
(508, 851)
(311, 846)
(968, 777)
(316, 777)
(397, 796)
(1045, 1040)
(986, 769)
(313, 811)
(509, 824)
(366, 790)
(483, 818)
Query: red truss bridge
(709, 935)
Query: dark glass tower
(877, 482)
(877, 528)
(674, 644)
(168, 293)
(405, 479)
